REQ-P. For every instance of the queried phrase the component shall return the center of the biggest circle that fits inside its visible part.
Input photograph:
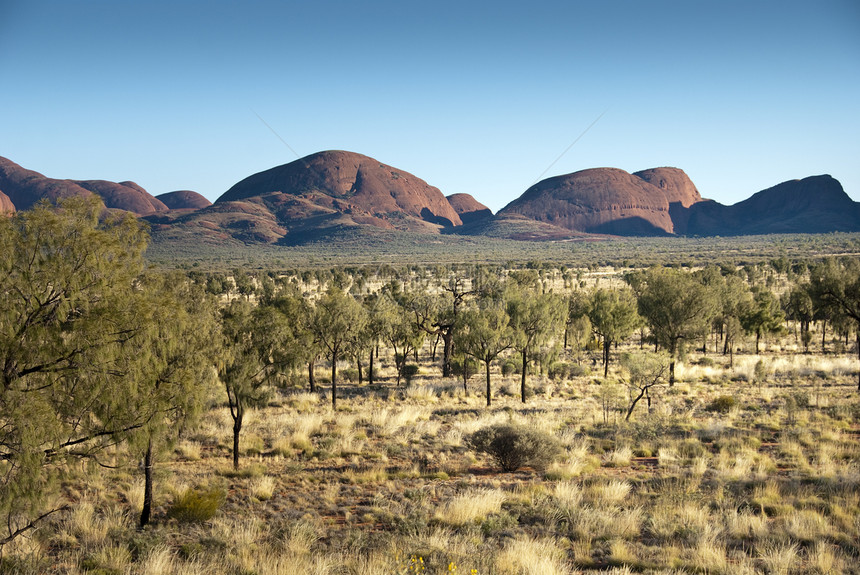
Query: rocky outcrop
(816, 204)
(599, 200)
(468, 208)
(184, 200)
(6, 205)
(362, 188)
(26, 187)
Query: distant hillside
(6, 205)
(26, 187)
(318, 196)
(816, 204)
(468, 208)
(599, 201)
(183, 200)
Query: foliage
(722, 404)
(677, 307)
(513, 447)
(613, 317)
(68, 325)
(486, 334)
(197, 505)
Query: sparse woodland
(524, 418)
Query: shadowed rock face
(468, 208)
(183, 200)
(816, 204)
(366, 190)
(26, 187)
(599, 200)
(6, 205)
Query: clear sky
(476, 97)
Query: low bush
(513, 446)
(722, 404)
(197, 505)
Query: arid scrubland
(728, 472)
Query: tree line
(98, 351)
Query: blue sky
(474, 97)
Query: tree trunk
(146, 512)
(757, 340)
(632, 405)
(370, 368)
(858, 354)
(334, 381)
(358, 365)
(673, 348)
(606, 346)
(524, 370)
(311, 381)
(823, 336)
(237, 429)
(489, 393)
(447, 352)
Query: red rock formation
(6, 205)
(26, 187)
(350, 184)
(599, 200)
(183, 200)
(468, 208)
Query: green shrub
(722, 404)
(409, 372)
(197, 505)
(511, 366)
(559, 371)
(513, 446)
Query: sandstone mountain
(468, 208)
(335, 181)
(26, 187)
(6, 205)
(183, 200)
(606, 201)
(816, 204)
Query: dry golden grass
(770, 486)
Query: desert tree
(799, 308)
(173, 355)
(67, 286)
(835, 284)
(613, 317)
(337, 321)
(486, 333)
(253, 340)
(439, 315)
(762, 315)
(644, 371)
(534, 318)
(677, 308)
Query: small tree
(337, 320)
(613, 317)
(763, 315)
(644, 371)
(533, 319)
(836, 286)
(486, 334)
(173, 362)
(677, 308)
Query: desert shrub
(559, 371)
(409, 372)
(197, 505)
(722, 404)
(511, 366)
(459, 364)
(513, 446)
(350, 374)
(705, 361)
